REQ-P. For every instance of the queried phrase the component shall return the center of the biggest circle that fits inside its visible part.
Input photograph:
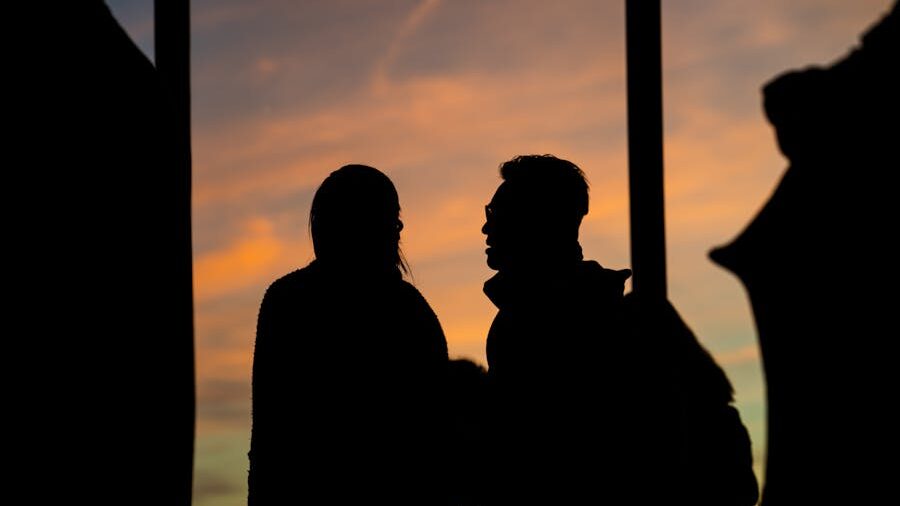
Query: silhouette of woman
(349, 362)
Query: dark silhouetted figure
(467, 408)
(349, 363)
(557, 360)
(819, 263)
(97, 268)
(704, 452)
(595, 397)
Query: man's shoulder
(594, 272)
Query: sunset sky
(436, 94)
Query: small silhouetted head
(355, 220)
(536, 212)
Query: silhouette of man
(554, 349)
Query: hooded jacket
(552, 352)
(547, 317)
(600, 398)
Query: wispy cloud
(381, 73)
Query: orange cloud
(406, 126)
(246, 262)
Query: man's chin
(492, 261)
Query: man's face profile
(506, 228)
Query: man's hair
(558, 185)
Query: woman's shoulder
(413, 300)
(298, 280)
(409, 292)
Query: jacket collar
(581, 278)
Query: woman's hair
(355, 219)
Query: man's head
(535, 214)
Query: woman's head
(355, 220)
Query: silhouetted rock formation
(819, 263)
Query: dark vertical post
(645, 147)
(172, 48)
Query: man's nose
(484, 228)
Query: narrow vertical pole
(645, 147)
(172, 48)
